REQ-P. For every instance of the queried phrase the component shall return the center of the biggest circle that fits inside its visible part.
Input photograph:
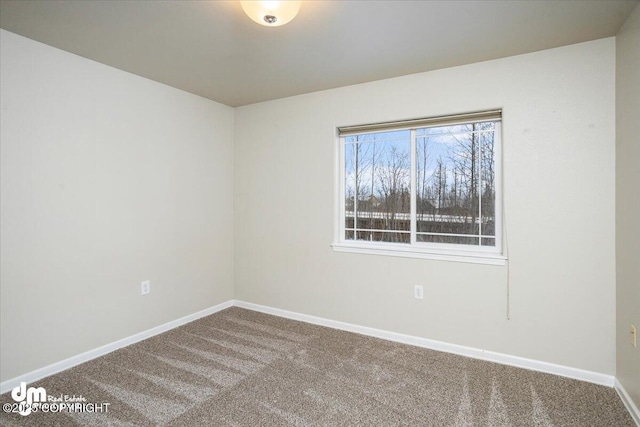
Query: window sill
(412, 252)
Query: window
(422, 188)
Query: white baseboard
(65, 364)
(504, 359)
(626, 399)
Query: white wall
(107, 179)
(559, 149)
(628, 202)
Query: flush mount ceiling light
(271, 13)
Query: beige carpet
(242, 368)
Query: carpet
(243, 368)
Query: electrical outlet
(634, 336)
(145, 287)
(418, 292)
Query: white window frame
(434, 251)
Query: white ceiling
(210, 48)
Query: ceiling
(212, 49)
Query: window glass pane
(488, 181)
(382, 181)
(447, 160)
(458, 240)
(349, 186)
(380, 236)
(488, 241)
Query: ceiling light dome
(271, 13)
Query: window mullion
(413, 189)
